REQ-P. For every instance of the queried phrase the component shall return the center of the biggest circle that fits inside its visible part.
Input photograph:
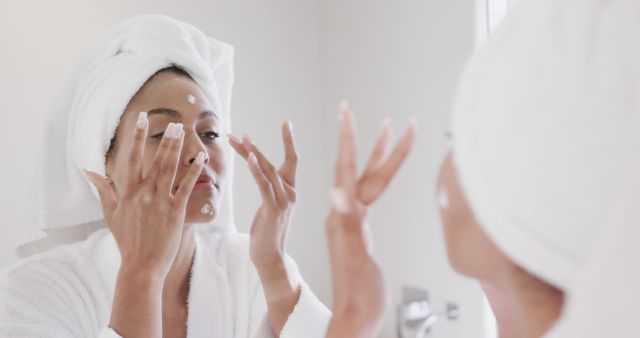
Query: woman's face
(171, 97)
(469, 249)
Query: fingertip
(233, 138)
(413, 124)
(344, 106)
(386, 123)
(142, 122)
(287, 125)
(252, 159)
(200, 159)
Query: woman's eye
(209, 135)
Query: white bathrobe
(68, 291)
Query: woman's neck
(524, 306)
(176, 284)
(504, 311)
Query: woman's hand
(146, 218)
(359, 294)
(271, 222)
(277, 189)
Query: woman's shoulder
(59, 292)
(65, 264)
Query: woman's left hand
(270, 225)
(277, 189)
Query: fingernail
(200, 158)
(253, 159)
(344, 105)
(413, 122)
(245, 138)
(168, 133)
(342, 109)
(385, 123)
(179, 131)
(290, 125)
(142, 120)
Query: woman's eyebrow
(208, 113)
(167, 111)
(176, 114)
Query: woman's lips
(205, 182)
(203, 186)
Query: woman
(143, 117)
(538, 196)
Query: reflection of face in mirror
(523, 304)
(469, 249)
(163, 97)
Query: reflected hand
(359, 294)
(277, 189)
(270, 225)
(147, 216)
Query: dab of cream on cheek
(191, 99)
(207, 209)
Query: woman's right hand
(145, 215)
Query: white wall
(294, 59)
(403, 59)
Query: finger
(288, 169)
(292, 195)
(236, 144)
(170, 164)
(136, 153)
(380, 150)
(346, 164)
(371, 189)
(108, 197)
(189, 180)
(150, 180)
(268, 169)
(261, 179)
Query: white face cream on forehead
(191, 99)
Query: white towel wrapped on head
(87, 113)
(546, 128)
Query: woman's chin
(199, 218)
(204, 211)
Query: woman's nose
(191, 158)
(192, 146)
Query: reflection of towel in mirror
(546, 124)
(68, 292)
(87, 112)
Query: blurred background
(295, 59)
